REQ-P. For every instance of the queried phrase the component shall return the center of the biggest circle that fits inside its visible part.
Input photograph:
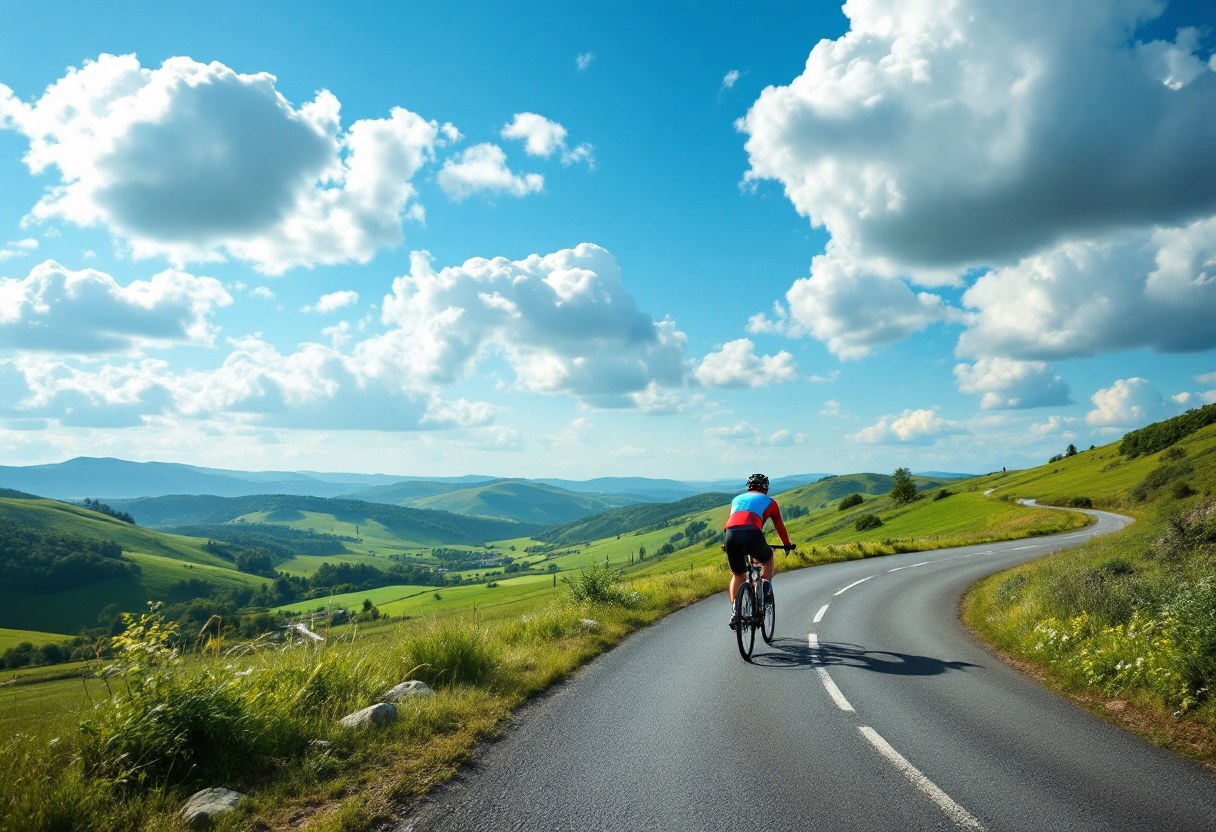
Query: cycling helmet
(757, 482)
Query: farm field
(11, 638)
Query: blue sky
(578, 240)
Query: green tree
(904, 490)
(1071, 450)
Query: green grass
(11, 638)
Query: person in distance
(745, 533)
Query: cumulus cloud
(332, 302)
(543, 138)
(1129, 403)
(737, 365)
(853, 312)
(483, 168)
(564, 323)
(1009, 384)
(746, 434)
(196, 161)
(1041, 141)
(56, 309)
(261, 292)
(1055, 425)
(912, 427)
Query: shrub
(1181, 490)
(866, 522)
(942, 494)
(1195, 611)
(597, 584)
(850, 501)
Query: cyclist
(745, 534)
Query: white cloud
(1206, 378)
(196, 161)
(936, 140)
(55, 309)
(1009, 384)
(853, 312)
(912, 427)
(831, 409)
(584, 60)
(1055, 425)
(746, 434)
(261, 292)
(1129, 403)
(332, 302)
(729, 79)
(543, 138)
(737, 365)
(483, 167)
(563, 322)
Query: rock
(407, 689)
(203, 806)
(589, 623)
(378, 714)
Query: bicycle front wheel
(769, 626)
(745, 632)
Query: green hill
(417, 526)
(521, 501)
(629, 519)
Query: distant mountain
(945, 475)
(630, 518)
(523, 501)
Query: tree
(1071, 450)
(848, 502)
(904, 490)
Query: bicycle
(755, 607)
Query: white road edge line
(1020, 548)
(956, 813)
(819, 615)
(828, 684)
(850, 586)
(922, 563)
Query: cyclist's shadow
(792, 653)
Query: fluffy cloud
(563, 322)
(483, 167)
(1129, 403)
(729, 79)
(584, 60)
(194, 161)
(1006, 383)
(737, 365)
(55, 309)
(852, 312)
(332, 302)
(1040, 140)
(746, 434)
(912, 427)
(543, 137)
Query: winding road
(873, 710)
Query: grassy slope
(164, 560)
(11, 638)
(515, 500)
(1006, 608)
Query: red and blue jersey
(752, 509)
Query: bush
(850, 501)
(942, 494)
(866, 522)
(597, 584)
(1195, 611)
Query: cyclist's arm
(774, 513)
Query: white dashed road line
(922, 563)
(961, 817)
(828, 684)
(1020, 548)
(850, 586)
(819, 615)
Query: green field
(11, 638)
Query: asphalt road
(879, 712)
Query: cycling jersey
(752, 509)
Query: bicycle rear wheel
(745, 633)
(768, 627)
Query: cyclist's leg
(736, 558)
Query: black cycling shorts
(742, 540)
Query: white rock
(203, 806)
(407, 689)
(378, 714)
